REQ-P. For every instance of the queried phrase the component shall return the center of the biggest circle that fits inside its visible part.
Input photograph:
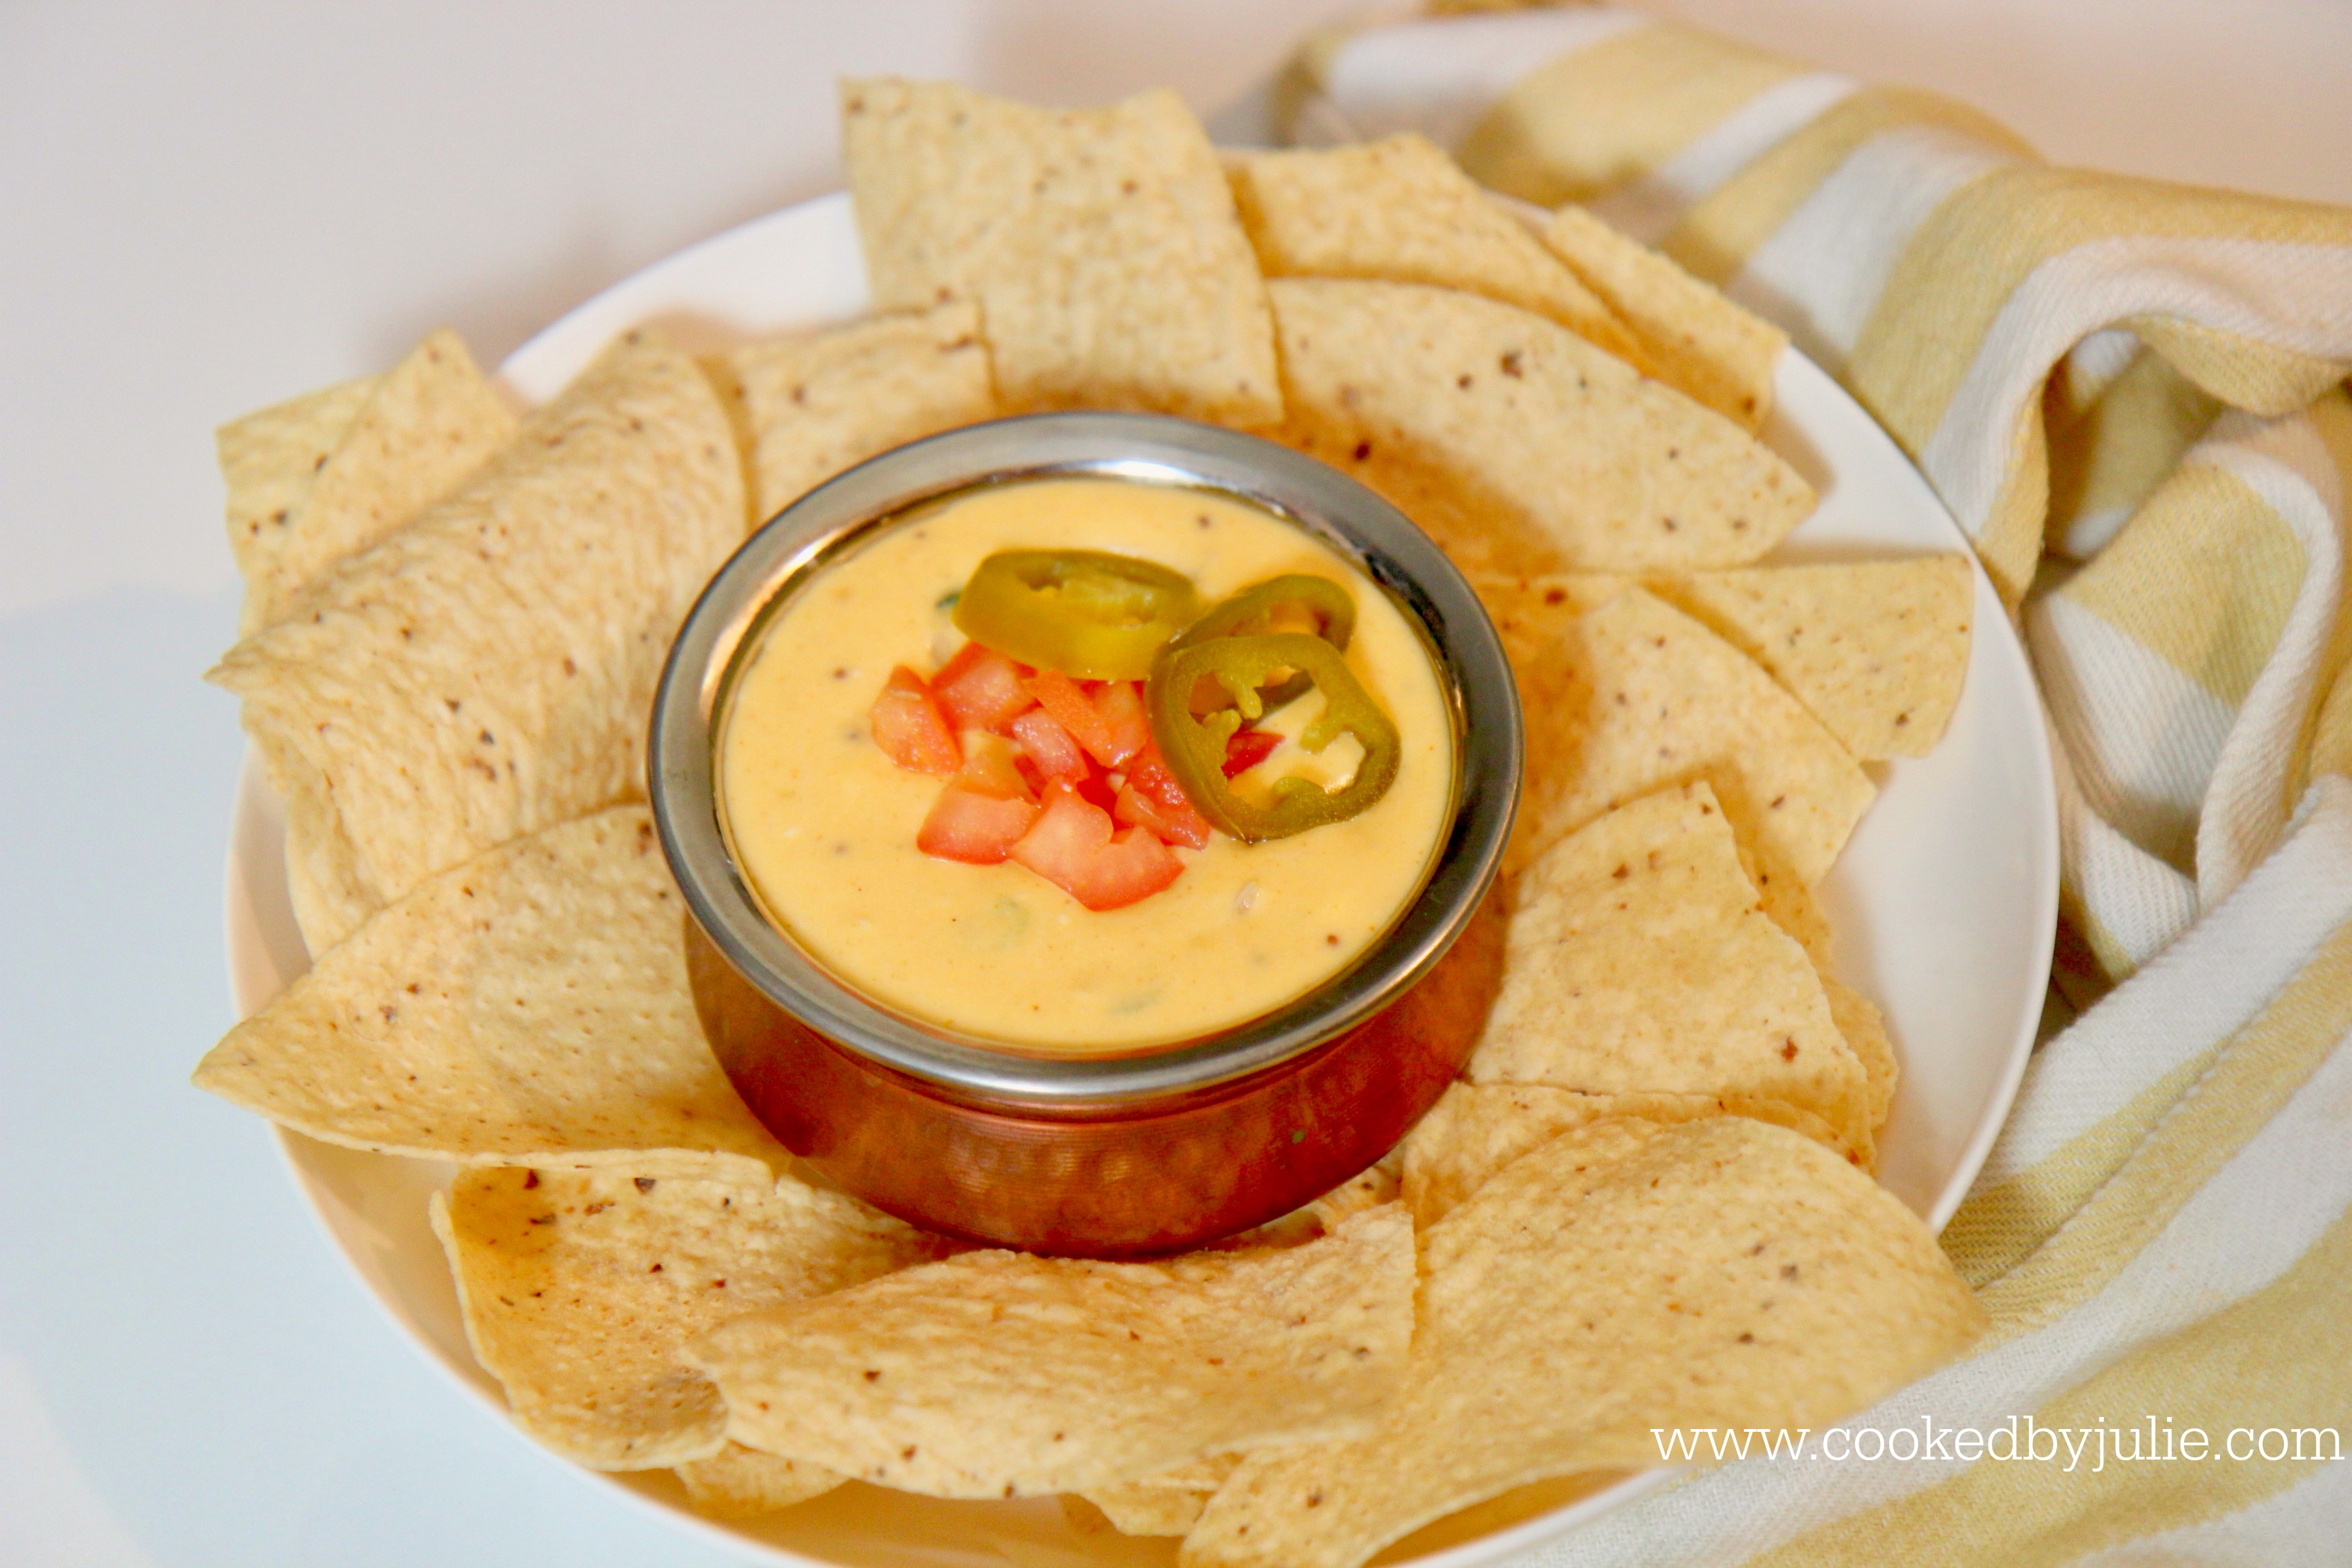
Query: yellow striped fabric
(2131, 396)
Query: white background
(206, 208)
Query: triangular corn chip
(1689, 336)
(1001, 1374)
(1719, 1273)
(743, 1483)
(427, 425)
(1400, 210)
(1476, 1129)
(810, 406)
(1101, 245)
(1640, 963)
(1169, 1503)
(1636, 696)
(1520, 446)
(579, 1288)
(1530, 612)
(529, 1006)
(486, 670)
(1864, 1028)
(1877, 649)
(270, 457)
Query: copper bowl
(1147, 1150)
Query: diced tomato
(1073, 846)
(1096, 787)
(991, 767)
(979, 688)
(1135, 867)
(1105, 725)
(1244, 749)
(1148, 772)
(980, 829)
(1049, 746)
(970, 654)
(1120, 703)
(909, 727)
(1174, 824)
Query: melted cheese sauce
(823, 827)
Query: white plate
(1945, 903)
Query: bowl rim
(794, 546)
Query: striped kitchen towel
(2131, 396)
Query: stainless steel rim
(1157, 449)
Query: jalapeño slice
(1293, 602)
(1086, 612)
(1193, 744)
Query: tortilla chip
(1517, 445)
(1640, 963)
(1719, 1273)
(1531, 611)
(811, 407)
(487, 671)
(528, 1008)
(429, 423)
(743, 1483)
(1877, 649)
(1476, 1129)
(1690, 336)
(1169, 1503)
(1790, 904)
(1380, 1184)
(1101, 245)
(579, 1288)
(1864, 1028)
(1636, 696)
(270, 457)
(1400, 210)
(1001, 1374)
(323, 880)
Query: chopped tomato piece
(1135, 867)
(1244, 749)
(1073, 846)
(909, 727)
(970, 654)
(979, 688)
(1174, 824)
(1096, 787)
(1148, 772)
(980, 829)
(1120, 703)
(991, 767)
(1049, 746)
(1103, 723)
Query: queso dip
(823, 825)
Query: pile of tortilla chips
(1646, 1206)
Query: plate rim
(545, 360)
